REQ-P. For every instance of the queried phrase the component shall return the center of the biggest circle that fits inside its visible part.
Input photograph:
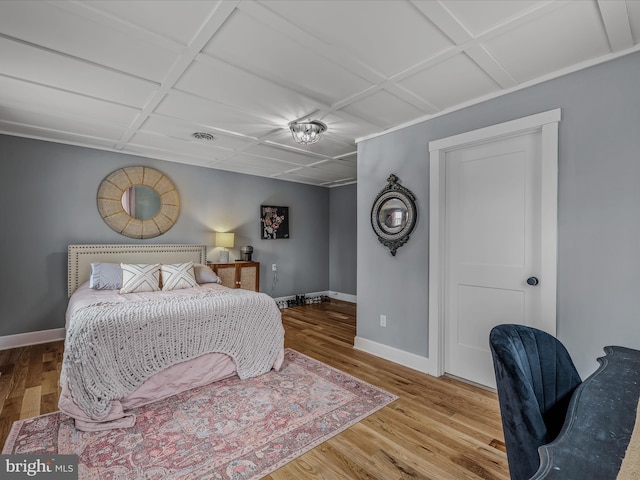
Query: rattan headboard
(80, 257)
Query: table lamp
(224, 240)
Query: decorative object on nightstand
(224, 240)
(244, 275)
(246, 253)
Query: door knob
(533, 281)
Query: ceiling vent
(204, 136)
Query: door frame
(546, 123)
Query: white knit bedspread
(112, 348)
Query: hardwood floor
(28, 383)
(439, 428)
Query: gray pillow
(205, 274)
(105, 276)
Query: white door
(493, 246)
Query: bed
(124, 350)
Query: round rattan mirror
(117, 204)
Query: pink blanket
(175, 379)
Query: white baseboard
(346, 297)
(31, 338)
(407, 359)
(337, 295)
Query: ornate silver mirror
(138, 202)
(394, 214)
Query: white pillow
(177, 276)
(205, 274)
(140, 277)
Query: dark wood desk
(599, 422)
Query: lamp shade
(224, 239)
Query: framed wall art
(274, 222)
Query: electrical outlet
(383, 320)
(274, 268)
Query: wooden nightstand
(238, 274)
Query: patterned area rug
(232, 429)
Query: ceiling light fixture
(307, 133)
(203, 136)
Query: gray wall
(598, 217)
(342, 239)
(48, 193)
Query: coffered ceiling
(141, 77)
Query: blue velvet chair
(535, 377)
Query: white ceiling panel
(44, 67)
(141, 77)
(451, 82)
(294, 158)
(162, 154)
(260, 161)
(388, 35)
(58, 29)
(561, 38)
(54, 135)
(14, 92)
(229, 85)
(44, 121)
(633, 9)
(269, 165)
(204, 112)
(384, 109)
(193, 147)
(350, 158)
(346, 126)
(175, 20)
(336, 169)
(184, 130)
(329, 146)
(249, 43)
(478, 17)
